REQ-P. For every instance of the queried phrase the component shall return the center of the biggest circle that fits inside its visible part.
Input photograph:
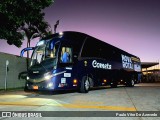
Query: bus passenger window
(66, 55)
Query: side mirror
(26, 49)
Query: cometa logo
(95, 64)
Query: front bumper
(45, 85)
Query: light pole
(7, 63)
(55, 26)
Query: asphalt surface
(142, 97)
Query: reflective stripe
(59, 73)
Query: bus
(74, 60)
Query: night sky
(132, 25)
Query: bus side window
(92, 48)
(66, 55)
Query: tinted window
(91, 48)
(100, 49)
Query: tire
(131, 83)
(114, 85)
(137, 82)
(26, 89)
(85, 85)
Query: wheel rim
(87, 84)
(132, 82)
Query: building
(150, 72)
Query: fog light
(50, 85)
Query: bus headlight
(47, 76)
(27, 78)
(50, 85)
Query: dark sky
(132, 25)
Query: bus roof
(81, 36)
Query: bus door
(66, 64)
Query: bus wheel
(26, 89)
(85, 85)
(131, 83)
(113, 85)
(136, 81)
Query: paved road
(142, 97)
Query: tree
(20, 19)
(23, 18)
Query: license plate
(35, 87)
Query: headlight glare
(47, 76)
(27, 78)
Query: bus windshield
(45, 54)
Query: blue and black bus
(74, 60)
